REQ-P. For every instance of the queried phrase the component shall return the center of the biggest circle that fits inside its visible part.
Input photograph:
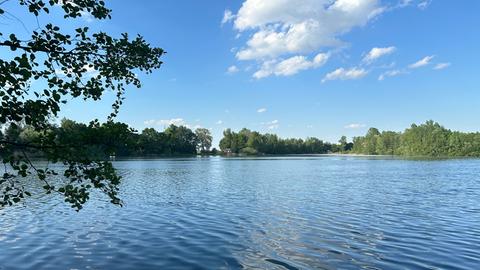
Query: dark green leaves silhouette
(62, 66)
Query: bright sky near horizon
(298, 68)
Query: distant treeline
(111, 138)
(429, 139)
(252, 143)
(118, 139)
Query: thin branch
(33, 167)
(17, 19)
(26, 48)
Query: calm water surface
(262, 213)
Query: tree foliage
(64, 66)
(252, 143)
(429, 139)
(204, 139)
(103, 140)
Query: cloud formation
(290, 66)
(262, 110)
(227, 16)
(422, 62)
(294, 30)
(421, 4)
(424, 4)
(345, 74)
(376, 53)
(232, 69)
(390, 73)
(274, 124)
(440, 66)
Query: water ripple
(265, 213)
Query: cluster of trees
(429, 139)
(99, 141)
(252, 142)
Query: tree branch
(28, 49)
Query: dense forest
(429, 139)
(113, 138)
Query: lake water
(260, 213)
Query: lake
(309, 212)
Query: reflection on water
(260, 213)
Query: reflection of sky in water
(266, 213)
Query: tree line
(102, 140)
(425, 140)
(429, 139)
(253, 143)
(99, 141)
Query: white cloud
(421, 4)
(290, 66)
(232, 69)
(219, 122)
(354, 126)
(390, 73)
(227, 16)
(262, 110)
(424, 4)
(345, 74)
(301, 26)
(284, 33)
(440, 66)
(422, 62)
(405, 3)
(275, 124)
(165, 122)
(376, 53)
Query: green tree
(63, 66)
(204, 139)
(343, 143)
(182, 140)
(371, 141)
(429, 139)
(226, 142)
(152, 142)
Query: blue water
(259, 213)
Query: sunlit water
(261, 213)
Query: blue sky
(299, 68)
